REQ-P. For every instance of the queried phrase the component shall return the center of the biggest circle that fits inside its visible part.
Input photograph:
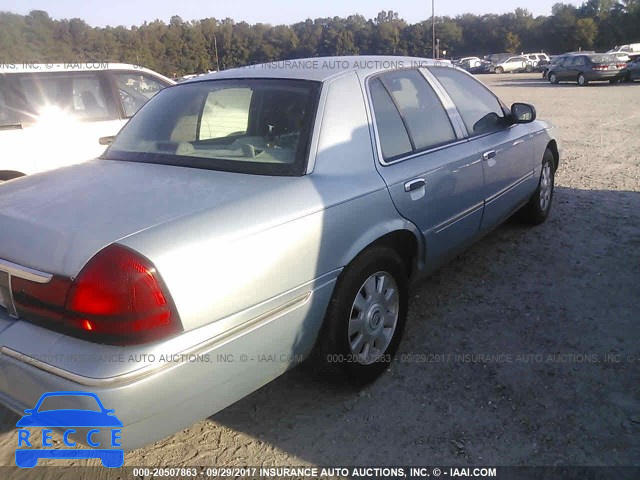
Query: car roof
(321, 69)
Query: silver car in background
(243, 221)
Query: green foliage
(181, 47)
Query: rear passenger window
(480, 110)
(394, 139)
(425, 117)
(7, 115)
(409, 114)
(78, 94)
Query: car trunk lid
(55, 222)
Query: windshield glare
(250, 126)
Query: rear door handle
(489, 155)
(414, 184)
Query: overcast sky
(134, 12)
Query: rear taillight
(118, 298)
(621, 65)
(600, 67)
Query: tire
(538, 207)
(334, 356)
(553, 78)
(528, 68)
(582, 81)
(499, 70)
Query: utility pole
(215, 46)
(433, 28)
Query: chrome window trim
(376, 136)
(447, 102)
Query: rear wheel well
(553, 146)
(404, 243)
(9, 174)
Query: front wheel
(365, 319)
(538, 207)
(553, 78)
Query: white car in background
(622, 56)
(632, 50)
(535, 58)
(54, 115)
(473, 62)
(512, 64)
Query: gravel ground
(523, 351)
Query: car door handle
(489, 155)
(414, 184)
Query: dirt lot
(553, 301)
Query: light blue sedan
(248, 219)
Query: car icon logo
(67, 419)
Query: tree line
(182, 47)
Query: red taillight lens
(118, 298)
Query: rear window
(260, 126)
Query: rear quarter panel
(220, 262)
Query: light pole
(215, 46)
(433, 29)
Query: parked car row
(504, 63)
(585, 67)
(617, 65)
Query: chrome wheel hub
(373, 319)
(546, 187)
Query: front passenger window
(480, 110)
(135, 90)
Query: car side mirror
(106, 140)
(523, 113)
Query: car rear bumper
(594, 76)
(169, 399)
